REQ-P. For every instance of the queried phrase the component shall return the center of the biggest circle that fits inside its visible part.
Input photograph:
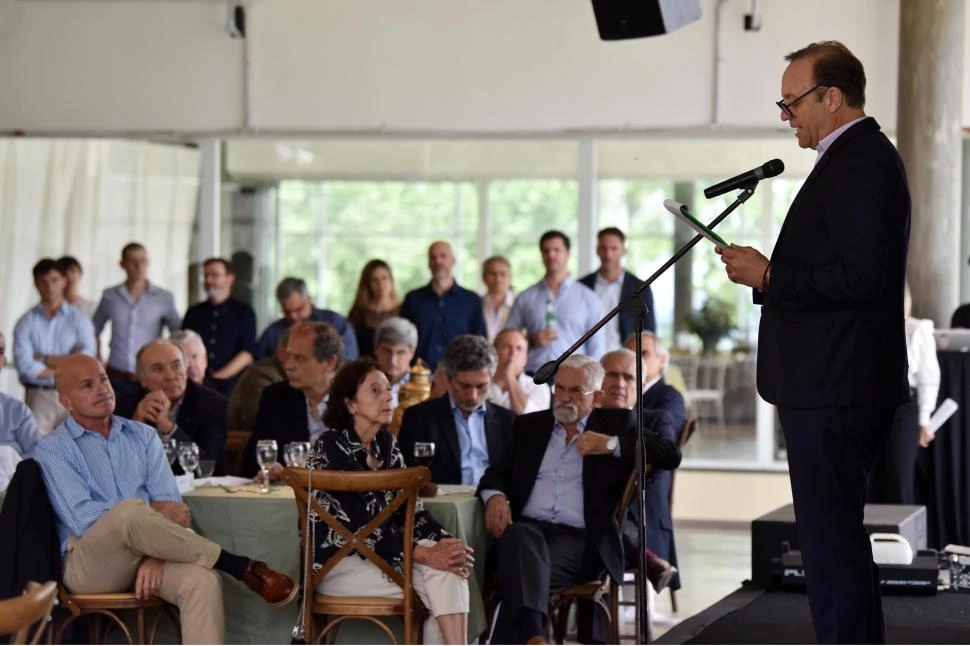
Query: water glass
(295, 454)
(423, 453)
(266, 454)
(171, 450)
(188, 456)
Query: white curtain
(88, 198)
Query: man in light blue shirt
(120, 519)
(557, 310)
(42, 338)
(18, 430)
(468, 432)
(137, 311)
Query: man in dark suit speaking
(832, 351)
(551, 499)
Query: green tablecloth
(265, 527)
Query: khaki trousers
(106, 558)
(442, 593)
(47, 410)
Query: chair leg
(673, 600)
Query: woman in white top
(893, 477)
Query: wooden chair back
(235, 445)
(18, 614)
(406, 483)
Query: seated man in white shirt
(394, 343)
(511, 387)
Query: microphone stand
(634, 306)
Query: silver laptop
(955, 340)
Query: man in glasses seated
(551, 499)
(120, 520)
(177, 407)
(468, 432)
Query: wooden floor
(714, 560)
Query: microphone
(770, 169)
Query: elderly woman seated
(358, 440)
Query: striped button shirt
(67, 331)
(557, 496)
(87, 475)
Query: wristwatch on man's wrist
(612, 443)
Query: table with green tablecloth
(265, 527)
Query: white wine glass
(267, 453)
(295, 454)
(188, 456)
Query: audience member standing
(18, 429)
(227, 326)
(376, 301)
(511, 387)
(557, 310)
(612, 284)
(893, 479)
(42, 338)
(442, 309)
(498, 298)
(294, 299)
(137, 311)
(72, 271)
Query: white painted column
(210, 201)
(588, 206)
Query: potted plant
(712, 323)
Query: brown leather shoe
(538, 639)
(276, 589)
(659, 572)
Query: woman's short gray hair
(396, 331)
(591, 368)
(467, 353)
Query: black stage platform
(754, 615)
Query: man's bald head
(83, 388)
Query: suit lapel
(448, 430)
(184, 418)
(493, 433)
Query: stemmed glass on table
(188, 456)
(266, 454)
(295, 454)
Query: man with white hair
(550, 500)
(657, 393)
(395, 340)
(196, 359)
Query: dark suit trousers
(830, 455)
(534, 558)
(893, 480)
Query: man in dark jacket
(178, 408)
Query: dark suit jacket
(201, 419)
(624, 320)
(433, 421)
(604, 476)
(29, 542)
(663, 396)
(658, 530)
(832, 330)
(281, 417)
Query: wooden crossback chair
(594, 591)
(98, 608)
(18, 614)
(406, 482)
(235, 445)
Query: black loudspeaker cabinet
(623, 19)
(774, 528)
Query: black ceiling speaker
(622, 19)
